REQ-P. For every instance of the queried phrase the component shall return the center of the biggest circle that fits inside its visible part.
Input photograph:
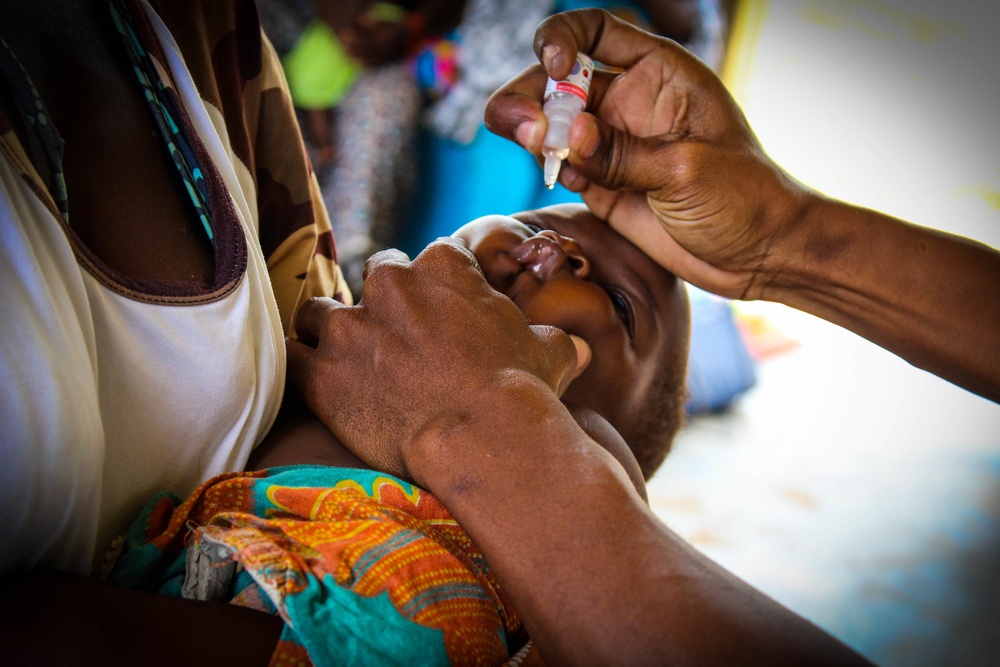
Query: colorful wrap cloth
(364, 568)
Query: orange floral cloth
(363, 567)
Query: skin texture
(667, 157)
(564, 268)
(675, 19)
(597, 578)
(113, 143)
(345, 352)
(300, 438)
(560, 267)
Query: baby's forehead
(574, 215)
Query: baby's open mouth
(540, 256)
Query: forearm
(930, 297)
(51, 618)
(595, 576)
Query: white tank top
(109, 394)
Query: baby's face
(564, 267)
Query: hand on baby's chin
(411, 353)
(584, 354)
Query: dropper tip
(551, 170)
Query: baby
(364, 566)
(564, 267)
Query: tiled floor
(857, 490)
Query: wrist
(794, 224)
(833, 260)
(466, 447)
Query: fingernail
(528, 135)
(549, 55)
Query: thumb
(583, 354)
(566, 356)
(616, 159)
(301, 367)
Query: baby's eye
(623, 307)
(535, 229)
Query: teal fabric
(162, 107)
(146, 566)
(39, 120)
(337, 626)
(280, 539)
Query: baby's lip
(540, 256)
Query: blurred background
(855, 489)
(860, 492)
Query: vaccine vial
(564, 100)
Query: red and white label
(578, 81)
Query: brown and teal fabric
(225, 51)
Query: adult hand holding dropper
(666, 155)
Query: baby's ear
(603, 433)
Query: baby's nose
(548, 254)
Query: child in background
(364, 566)
(347, 66)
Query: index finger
(448, 253)
(514, 110)
(312, 318)
(384, 258)
(606, 38)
